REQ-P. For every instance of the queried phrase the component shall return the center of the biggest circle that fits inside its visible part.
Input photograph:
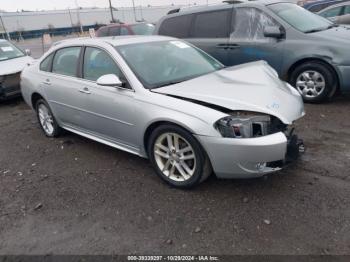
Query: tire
(173, 160)
(315, 81)
(46, 119)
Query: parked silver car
(162, 98)
(12, 61)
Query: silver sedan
(164, 99)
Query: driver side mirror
(110, 80)
(273, 31)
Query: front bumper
(250, 157)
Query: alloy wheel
(46, 119)
(310, 84)
(175, 157)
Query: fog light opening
(260, 166)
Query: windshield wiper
(321, 29)
(168, 84)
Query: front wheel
(177, 157)
(315, 81)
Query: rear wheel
(315, 81)
(46, 119)
(177, 157)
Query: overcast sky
(14, 5)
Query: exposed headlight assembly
(243, 125)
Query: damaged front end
(252, 144)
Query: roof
(228, 5)
(114, 40)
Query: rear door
(62, 87)
(210, 32)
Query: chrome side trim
(126, 148)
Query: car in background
(12, 62)
(307, 50)
(166, 100)
(338, 13)
(316, 6)
(125, 29)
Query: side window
(103, 31)
(250, 23)
(114, 31)
(98, 63)
(317, 8)
(347, 10)
(332, 12)
(65, 61)
(211, 24)
(178, 26)
(124, 31)
(46, 63)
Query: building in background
(34, 24)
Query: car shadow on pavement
(12, 102)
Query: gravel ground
(71, 195)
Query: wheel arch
(152, 126)
(34, 99)
(312, 59)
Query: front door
(248, 40)
(112, 110)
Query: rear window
(212, 24)
(143, 29)
(114, 31)
(102, 32)
(65, 61)
(178, 26)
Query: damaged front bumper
(251, 157)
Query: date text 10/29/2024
(173, 258)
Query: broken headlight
(244, 125)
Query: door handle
(227, 46)
(47, 82)
(233, 46)
(85, 90)
(222, 46)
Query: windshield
(158, 64)
(300, 18)
(9, 51)
(143, 29)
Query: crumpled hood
(250, 87)
(15, 65)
